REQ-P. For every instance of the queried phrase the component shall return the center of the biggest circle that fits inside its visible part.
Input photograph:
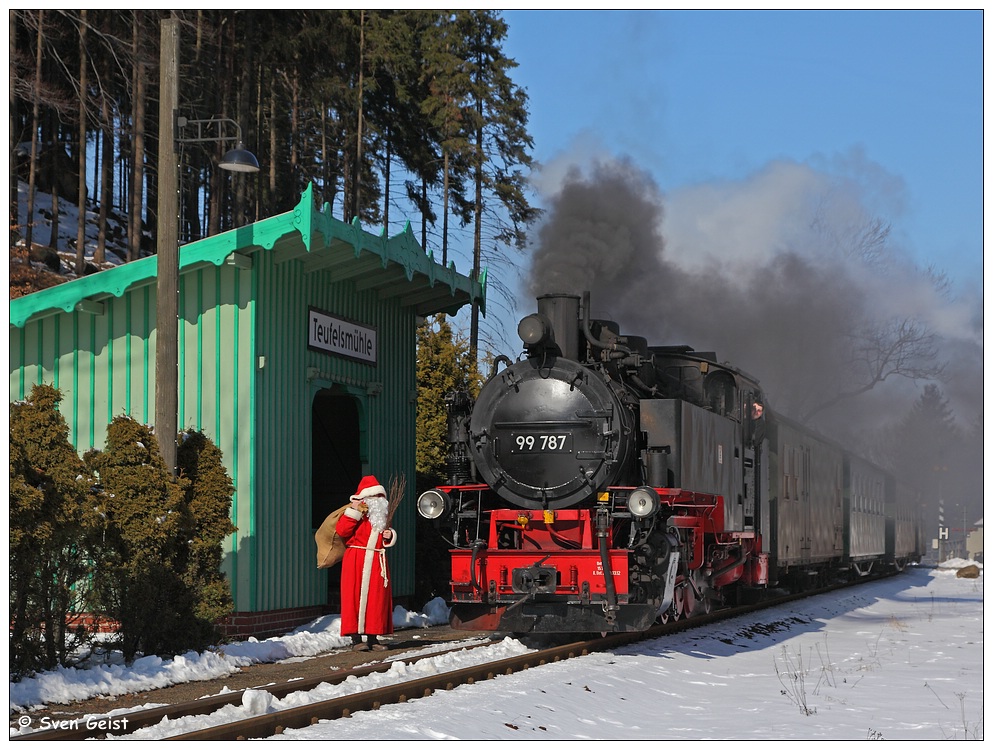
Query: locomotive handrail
(597, 342)
(500, 358)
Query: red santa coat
(366, 589)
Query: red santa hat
(368, 487)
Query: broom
(398, 488)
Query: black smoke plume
(801, 312)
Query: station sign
(341, 337)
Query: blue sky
(890, 100)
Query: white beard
(378, 508)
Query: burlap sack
(330, 546)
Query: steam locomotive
(599, 484)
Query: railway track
(98, 727)
(274, 723)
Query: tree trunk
(273, 154)
(477, 239)
(35, 106)
(357, 172)
(81, 203)
(325, 162)
(106, 177)
(295, 134)
(444, 221)
(137, 146)
(386, 185)
(12, 180)
(424, 215)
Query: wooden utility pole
(167, 251)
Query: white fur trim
(354, 513)
(377, 489)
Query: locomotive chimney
(562, 310)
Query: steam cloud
(774, 274)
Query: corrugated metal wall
(216, 388)
(807, 481)
(98, 360)
(103, 362)
(287, 575)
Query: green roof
(396, 267)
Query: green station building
(297, 357)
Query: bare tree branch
(900, 348)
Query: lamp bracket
(203, 129)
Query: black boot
(375, 645)
(358, 645)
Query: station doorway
(336, 463)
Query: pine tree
(497, 125)
(922, 449)
(444, 365)
(446, 85)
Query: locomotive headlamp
(534, 330)
(434, 504)
(643, 502)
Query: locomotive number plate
(541, 442)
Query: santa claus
(366, 592)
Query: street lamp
(212, 130)
(238, 159)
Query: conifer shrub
(111, 534)
(52, 538)
(139, 576)
(445, 367)
(208, 518)
(159, 574)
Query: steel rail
(89, 727)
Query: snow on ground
(898, 659)
(112, 677)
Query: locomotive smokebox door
(547, 434)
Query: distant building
(974, 542)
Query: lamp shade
(239, 159)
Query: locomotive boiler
(600, 484)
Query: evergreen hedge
(53, 537)
(115, 535)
